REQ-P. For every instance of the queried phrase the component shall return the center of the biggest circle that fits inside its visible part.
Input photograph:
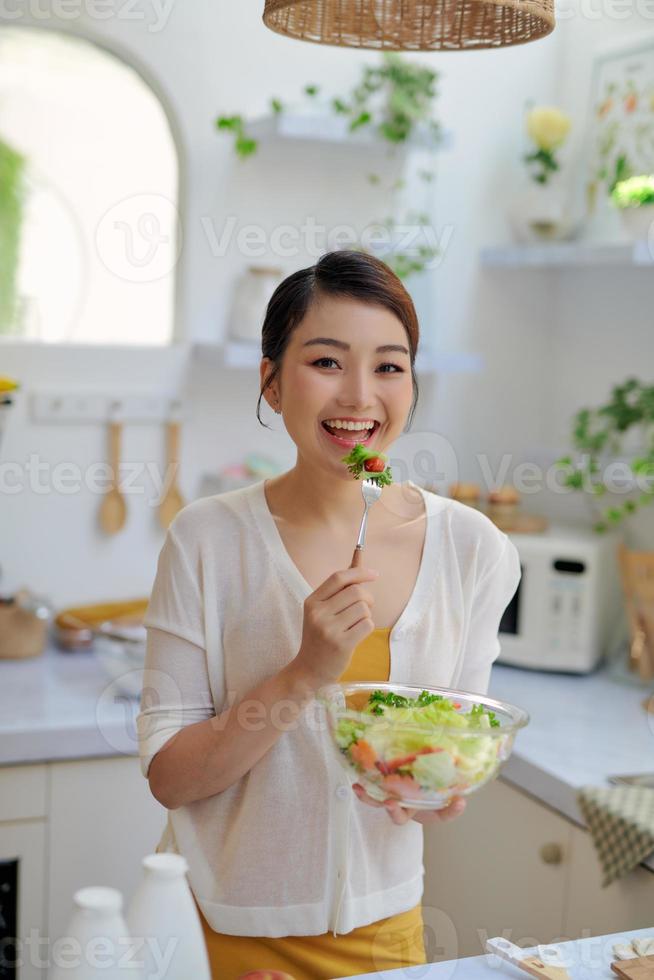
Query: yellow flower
(8, 384)
(548, 127)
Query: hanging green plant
(12, 167)
(392, 99)
(599, 432)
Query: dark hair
(341, 273)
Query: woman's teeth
(353, 426)
(349, 433)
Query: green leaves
(12, 169)
(545, 163)
(634, 192)
(244, 145)
(600, 431)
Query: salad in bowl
(419, 746)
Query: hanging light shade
(412, 25)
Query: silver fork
(371, 492)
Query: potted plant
(542, 213)
(635, 199)
(599, 435)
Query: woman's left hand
(400, 814)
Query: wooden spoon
(113, 510)
(172, 501)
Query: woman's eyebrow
(330, 342)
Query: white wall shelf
(246, 356)
(333, 128)
(564, 255)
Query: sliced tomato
(405, 760)
(363, 754)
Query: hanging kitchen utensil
(172, 500)
(113, 509)
(412, 25)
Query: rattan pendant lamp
(412, 25)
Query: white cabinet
(500, 869)
(102, 821)
(511, 866)
(71, 824)
(627, 903)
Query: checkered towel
(621, 823)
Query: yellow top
(390, 944)
(371, 660)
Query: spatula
(172, 501)
(113, 509)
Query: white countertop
(582, 728)
(62, 706)
(585, 959)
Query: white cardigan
(288, 849)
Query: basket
(412, 25)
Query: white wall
(217, 58)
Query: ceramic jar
(163, 913)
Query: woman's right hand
(337, 616)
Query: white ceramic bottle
(162, 913)
(97, 941)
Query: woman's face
(333, 370)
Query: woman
(254, 607)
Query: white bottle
(96, 943)
(163, 921)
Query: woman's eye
(396, 368)
(322, 359)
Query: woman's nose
(357, 391)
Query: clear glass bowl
(422, 765)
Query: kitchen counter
(585, 959)
(582, 729)
(62, 706)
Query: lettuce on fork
(370, 465)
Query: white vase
(542, 213)
(162, 913)
(97, 941)
(639, 223)
(252, 291)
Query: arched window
(89, 236)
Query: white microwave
(563, 614)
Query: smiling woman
(255, 608)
